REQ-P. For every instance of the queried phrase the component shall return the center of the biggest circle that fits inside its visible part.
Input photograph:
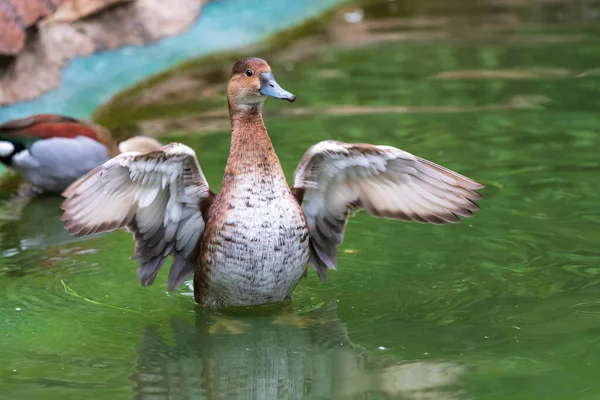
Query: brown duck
(250, 244)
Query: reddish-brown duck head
(251, 82)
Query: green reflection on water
(504, 305)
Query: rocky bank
(38, 37)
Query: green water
(505, 305)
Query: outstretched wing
(157, 195)
(335, 178)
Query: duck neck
(251, 148)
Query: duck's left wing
(335, 178)
(157, 195)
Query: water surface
(502, 306)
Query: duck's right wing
(157, 195)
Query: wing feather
(338, 178)
(156, 195)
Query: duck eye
(249, 72)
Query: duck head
(140, 144)
(251, 82)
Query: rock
(11, 32)
(72, 10)
(16, 16)
(74, 28)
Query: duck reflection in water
(275, 357)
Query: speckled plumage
(257, 250)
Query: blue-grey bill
(270, 87)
